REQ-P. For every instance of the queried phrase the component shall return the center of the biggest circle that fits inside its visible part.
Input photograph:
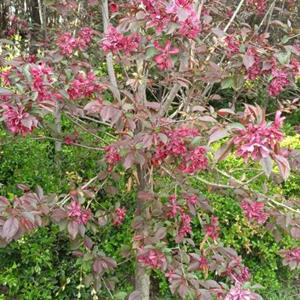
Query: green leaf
(227, 83)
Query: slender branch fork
(242, 185)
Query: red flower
(152, 258)
(113, 7)
(173, 207)
(120, 214)
(278, 83)
(212, 230)
(259, 140)
(194, 161)
(190, 27)
(18, 121)
(255, 70)
(66, 43)
(233, 45)
(239, 293)
(79, 215)
(185, 227)
(84, 85)
(164, 60)
(254, 211)
(260, 5)
(115, 41)
(292, 257)
(191, 199)
(84, 37)
(112, 157)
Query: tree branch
(109, 57)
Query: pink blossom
(176, 147)
(159, 18)
(191, 199)
(292, 257)
(194, 161)
(41, 78)
(295, 64)
(254, 211)
(278, 83)
(185, 226)
(203, 263)
(79, 215)
(233, 45)
(259, 5)
(212, 230)
(239, 293)
(113, 7)
(112, 156)
(190, 27)
(259, 140)
(120, 214)
(18, 121)
(236, 271)
(84, 85)
(173, 207)
(84, 37)
(131, 43)
(255, 70)
(66, 43)
(164, 60)
(183, 132)
(152, 258)
(115, 41)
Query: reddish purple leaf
(10, 228)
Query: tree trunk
(142, 277)
(58, 144)
(142, 282)
(36, 25)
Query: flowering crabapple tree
(161, 102)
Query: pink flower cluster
(152, 258)
(191, 199)
(212, 230)
(255, 70)
(239, 293)
(194, 161)
(161, 14)
(237, 272)
(41, 78)
(17, 120)
(112, 157)
(203, 263)
(259, 5)
(254, 211)
(191, 160)
(120, 214)
(114, 41)
(233, 45)
(259, 140)
(185, 226)
(292, 257)
(164, 60)
(67, 43)
(78, 214)
(278, 83)
(84, 85)
(172, 207)
(295, 66)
